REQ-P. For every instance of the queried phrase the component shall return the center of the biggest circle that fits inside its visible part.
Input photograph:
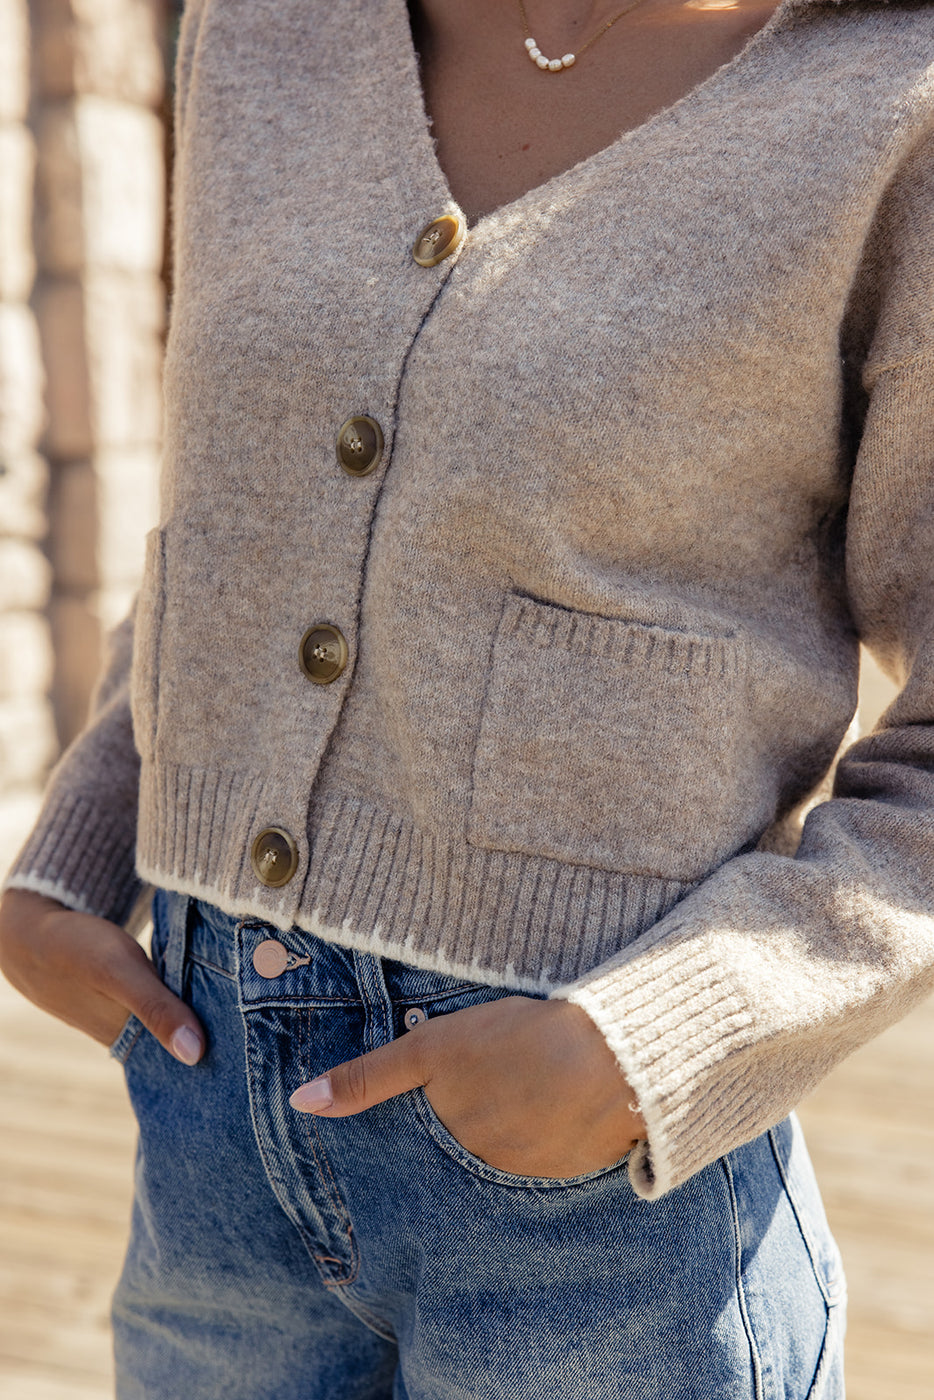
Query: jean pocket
(133, 1029)
(797, 1174)
(449, 1144)
(126, 1041)
(789, 1279)
(828, 1381)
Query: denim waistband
(318, 970)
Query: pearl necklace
(556, 65)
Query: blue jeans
(275, 1256)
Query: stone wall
(81, 324)
(27, 738)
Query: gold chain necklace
(557, 65)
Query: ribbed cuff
(674, 1022)
(81, 856)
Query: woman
(526, 497)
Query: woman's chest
(502, 126)
(698, 249)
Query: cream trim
(346, 936)
(52, 889)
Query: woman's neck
(502, 126)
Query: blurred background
(85, 278)
(85, 141)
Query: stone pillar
(98, 78)
(27, 735)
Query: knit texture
(659, 453)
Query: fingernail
(186, 1045)
(312, 1097)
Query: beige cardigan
(658, 451)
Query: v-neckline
(513, 208)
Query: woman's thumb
(166, 1016)
(358, 1084)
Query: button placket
(323, 651)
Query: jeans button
(414, 1017)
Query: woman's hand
(528, 1086)
(90, 973)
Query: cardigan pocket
(144, 676)
(612, 743)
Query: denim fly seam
(290, 1144)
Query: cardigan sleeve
(82, 848)
(727, 1012)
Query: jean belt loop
(182, 909)
(377, 1002)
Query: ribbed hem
(370, 880)
(674, 1021)
(83, 857)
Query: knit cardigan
(659, 452)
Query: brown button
(322, 653)
(274, 857)
(438, 240)
(359, 445)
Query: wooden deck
(66, 1148)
